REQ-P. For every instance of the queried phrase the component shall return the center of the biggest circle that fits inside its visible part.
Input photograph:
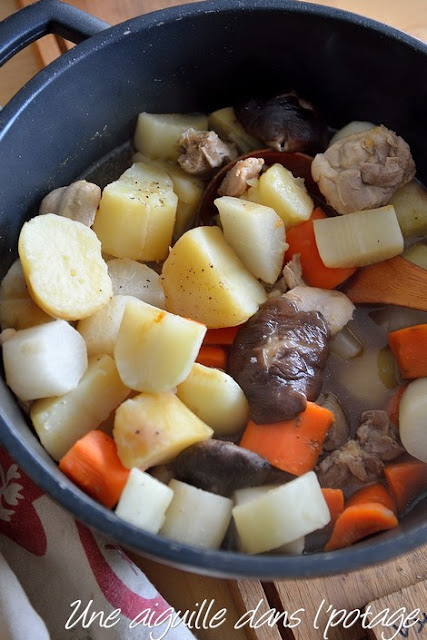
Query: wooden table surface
(401, 583)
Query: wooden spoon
(395, 281)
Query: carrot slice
(335, 501)
(301, 239)
(407, 481)
(213, 356)
(373, 493)
(222, 337)
(409, 346)
(291, 445)
(359, 521)
(93, 464)
(392, 408)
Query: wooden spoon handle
(395, 281)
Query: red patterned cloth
(60, 581)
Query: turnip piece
(412, 419)
(44, 361)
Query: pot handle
(41, 18)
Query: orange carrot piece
(392, 408)
(211, 356)
(409, 346)
(359, 521)
(291, 445)
(301, 239)
(335, 501)
(223, 337)
(373, 493)
(407, 481)
(93, 464)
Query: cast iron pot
(191, 58)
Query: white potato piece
(203, 279)
(188, 187)
(350, 129)
(279, 189)
(216, 398)
(157, 134)
(136, 215)
(100, 330)
(413, 419)
(152, 428)
(257, 235)
(143, 501)
(61, 421)
(44, 361)
(132, 278)
(282, 515)
(155, 349)
(196, 517)
(17, 308)
(243, 496)
(410, 203)
(360, 238)
(225, 124)
(63, 267)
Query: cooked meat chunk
(335, 307)
(349, 468)
(292, 273)
(363, 171)
(378, 436)
(278, 357)
(236, 181)
(339, 432)
(361, 461)
(223, 467)
(284, 122)
(78, 201)
(202, 151)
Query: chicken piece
(349, 468)
(292, 273)
(335, 307)
(78, 201)
(363, 171)
(236, 181)
(378, 436)
(202, 151)
(278, 357)
(291, 277)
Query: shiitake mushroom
(284, 122)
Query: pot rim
(216, 563)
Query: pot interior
(199, 58)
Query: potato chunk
(151, 429)
(17, 308)
(63, 267)
(257, 235)
(279, 189)
(101, 329)
(203, 279)
(44, 361)
(144, 501)
(131, 278)
(216, 398)
(63, 420)
(410, 203)
(157, 134)
(155, 350)
(136, 215)
(196, 517)
(282, 515)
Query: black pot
(194, 57)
